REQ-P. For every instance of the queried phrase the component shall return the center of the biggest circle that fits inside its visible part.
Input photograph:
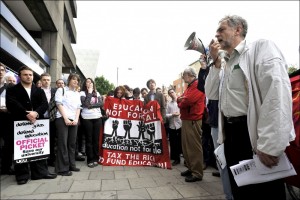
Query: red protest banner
(133, 134)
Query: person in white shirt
(50, 94)
(91, 115)
(68, 103)
(255, 103)
(173, 115)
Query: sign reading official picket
(31, 141)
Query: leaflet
(248, 172)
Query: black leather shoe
(186, 173)
(176, 162)
(67, 173)
(50, 176)
(216, 174)
(80, 158)
(74, 169)
(22, 182)
(192, 178)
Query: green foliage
(292, 69)
(103, 85)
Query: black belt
(232, 120)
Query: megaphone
(194, 43)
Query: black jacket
(18, 101)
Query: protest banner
(133, 135)
(31, 141)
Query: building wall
(45, 29)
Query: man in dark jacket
(27, 102)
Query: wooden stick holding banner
(31, 141)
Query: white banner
(31, 141)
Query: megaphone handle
(204, 51)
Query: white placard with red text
(31, 141)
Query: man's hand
(214, 48)
(32, 116)
(181, 98)
(266, 159)
(175, 114)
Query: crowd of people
(243, 99)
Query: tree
(292, 69)
(103, 85)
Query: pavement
(116, 182)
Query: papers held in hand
(253, 171)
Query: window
(22, 47)
(6, 33)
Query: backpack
(53, 107)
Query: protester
(38, 84)
(50, 94)
(68, 104)
(11, 79)
(91, 102)
(173, 115)
(191, 104)
(255, 103)
(6, 124)
(25, 101)
(144, 92)
(153, 95)
(128, 93)
(119, 92)
(60, 83)
(136, 93)
(212, 108)
(158, 90)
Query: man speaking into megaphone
(255, 103)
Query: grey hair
(190, 71)
(235, 21)
(8, 76)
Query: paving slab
(100, 195)
(99, 175)
(142, 182)
(53, 187)
(75, 195)
(86, 185)
(126, 174)
(133, 194)
(191, 190)
(13, 190)
(164, 180)
(32, 196)
(164, 192)
(119, 184)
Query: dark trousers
(66, 144)
(237, 147)
(208, 146)
(52, 142)
(92, 132)
(7, 147)
(38, 169)
(80, 141)
(175, 143)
